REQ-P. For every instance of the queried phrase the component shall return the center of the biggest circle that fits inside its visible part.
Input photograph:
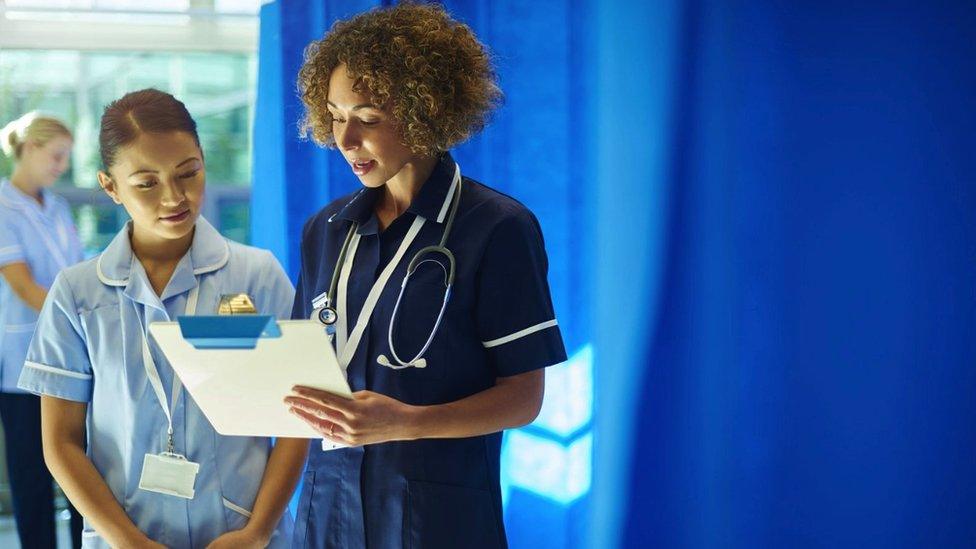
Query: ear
(108, 185)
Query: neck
(159, 256)
(20, 180)
(401, 189)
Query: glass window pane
(76, 86)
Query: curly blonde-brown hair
(426, 69)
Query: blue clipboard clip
(227, 331)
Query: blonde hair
(34, 127)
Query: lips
(362, 166)
(176, 218)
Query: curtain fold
(802, 369)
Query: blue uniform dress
(499, 322)
(88, 348)
(43, 237)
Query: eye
(146, 184)
(190, 175)
(337, 120)
(369, 122)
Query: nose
(173, 193)
(346, 137)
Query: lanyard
(152, 372)
(347, 349)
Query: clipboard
(239, 368)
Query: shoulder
(59, 202)
(9, 212)
(253, 259)
(81, 284)
(495, 211)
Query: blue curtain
(785, 284)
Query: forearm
(88, 492)
(18, 276)
(281, 475)
(512, 402)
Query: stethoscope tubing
(329, 310)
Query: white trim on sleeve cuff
(58, 371)
(11, 249)
(519, 334)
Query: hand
(367, 418)
(243, 538)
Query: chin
(176, 232)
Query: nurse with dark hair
(440, 363)
(156, 473)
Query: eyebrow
(188, 160)
(357, 107)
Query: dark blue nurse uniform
(500, 322)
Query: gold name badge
(236, 304)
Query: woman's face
(365, 134)
(45, 164)
(160, 180)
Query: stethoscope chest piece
(327, 316)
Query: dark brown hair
(428, 70)
(143, 111)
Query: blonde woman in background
(37, 240)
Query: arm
(18, 276)
(63, 433)
(370, 418)
(280, 478)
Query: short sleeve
(301, 310)
(57, 362)
(515, 317)
(277, 294)
(11, 247)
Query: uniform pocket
(304, 510)
(235, 515)
(442, 515)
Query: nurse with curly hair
(435, 287)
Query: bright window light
(546, 467)
(568, 405)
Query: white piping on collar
(351, 200)
(450, 193)
(198, 271)
(106, 280)
(219, 264)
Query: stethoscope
(328, 315)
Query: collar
(432, 202)
(13, 197)
(209, 252)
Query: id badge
(329, 445)
(170, 474)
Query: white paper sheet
(241, 390)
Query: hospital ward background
(760, 218)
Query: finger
(327, 429)
(321, 412)
(319, 394)
(314, 406)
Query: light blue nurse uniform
(88, 348)
(43, 237)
